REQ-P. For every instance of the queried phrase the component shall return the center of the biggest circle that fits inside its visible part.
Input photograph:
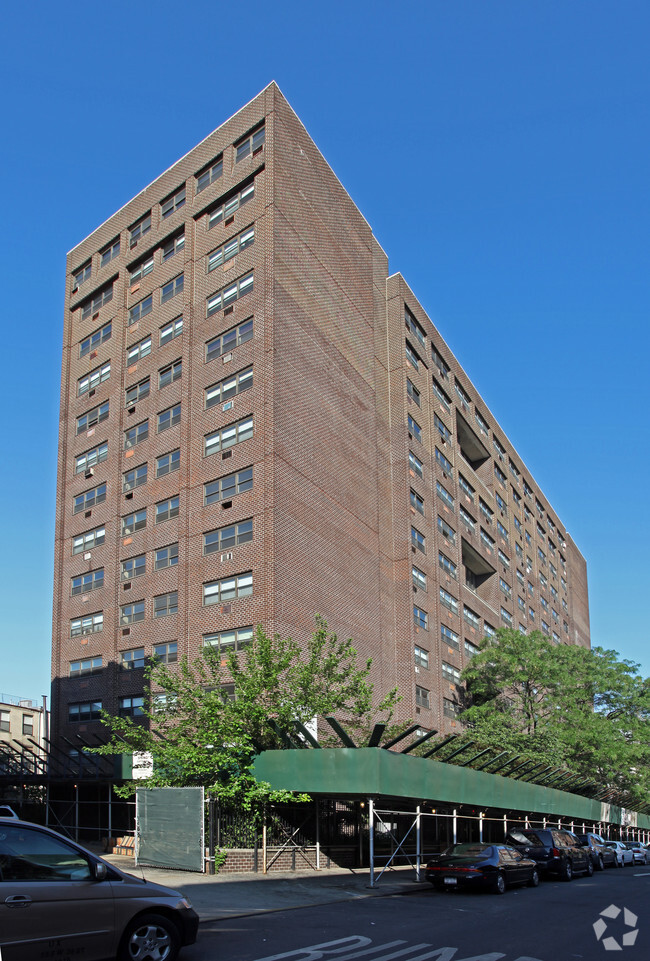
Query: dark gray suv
(59, 900)
(601, 855)
(556, 851)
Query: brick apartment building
(259, 423)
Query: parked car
(556, 851)
(58, 898)
(601, 855)
(639, 852)
(7, 812)
(623, 855)
(495, 866)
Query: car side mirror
(526, 850)
(100, 871)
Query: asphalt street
(554, 922)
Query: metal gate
(169, 828)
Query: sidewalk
(220, 896)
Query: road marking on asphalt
(359, 947)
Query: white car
(639, 852)
(623, 855)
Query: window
(543, 579)
(422, 697)
(90, 581)
(541, 555)
(416, 501)
(412, 356)
(446, 531)
(87, 541)
(134, 478)
(445, 496)
(172, 247)
(231, 248)
(500, 476)
(227, 589)
(503, 532)
(531, 589)
(236, 384)
(467, 519)
(167, 653)
(226, 209)
(489, 630)
(132, 567)
(171, 330)
(84, 711)
(504, 560)
(448, 601)
(28, 724)
(227, 487)
(506, 617)
(466, 488)
(109, 253)
(209, 175)
(471, 617)
(450, 708)
(137, 392)
(520, 577)
(421, 657)
(88, 624)
(463, 396)
(418, 540)
(413, 392)
(228, 436)
(92, 417)
(499, 448)
(449, 637)
(414, 429)
(169, 418)
(140, 310)
(166, 557)
(135, 435)
(442, 395)
(419, 578)
(544, 603)
(5, 721)
(522, 604)
(444, 432)
(505, 588)
(93, 304)
(420, 618)
(447, 565)
(415, 464)
(131, 613)
(227, 537)
(172, 289)
(134, 522)
(528, 540)
(138, 351)
(413, 326)
(228, 341)
(92, 380)
(441, 364)
(450, 673)
(90, 665)
(88, 499)
(167, 375)
(167, 463)
(139, 229)
(519, 551)
(228, 295)
(485, 510)
(165, 604)
(132, 660)
(173, 203)
(546, 629)
(501, 504)
(250, 145)
(516, 496)
(517, 523)
(481, 423)
(141, 270)
(487, 541)
(97, 338)
(131, 706)
(444, 463)
(470, 649)
(165, 510)
(233, 640)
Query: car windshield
(468, 850)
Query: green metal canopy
(374, 773)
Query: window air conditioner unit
(90, 472)
(126, 575)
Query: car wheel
(151, 937)
(567, 871)
(499, 884)
(600, 865)
(617, 863)
(534, 879)
(590, 868)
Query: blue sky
(500, 151)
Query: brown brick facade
(334, 495)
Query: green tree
(570, 706)
(205, 720)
